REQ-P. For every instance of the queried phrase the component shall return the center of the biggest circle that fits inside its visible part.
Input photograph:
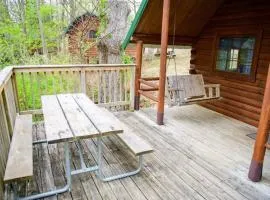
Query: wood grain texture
(198, 154)
(57, 128)
(240, 97)
(191, 16)
(10, 102)
(136, 144)
(78, 122)
(20, 157)
(101, 119)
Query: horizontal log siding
(241, 99)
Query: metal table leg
(115, 177)
(83, 165)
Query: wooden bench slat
(136, 144)
(102, 119)
(20, 158)
(56, 126)
(79, 123)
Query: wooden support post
(256, 166)
(163, 60)
(15, 92)
(132, 85)
(139, 49)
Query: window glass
(235, 54)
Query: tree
(114, 31)
(41, 30)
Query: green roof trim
(134, 23)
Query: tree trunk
(111, 39)
(44, 46)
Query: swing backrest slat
(188, 86)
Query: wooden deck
(199, 154)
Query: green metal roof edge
(134, 23)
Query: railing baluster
(92, 85)
(67, 81)
(120, 86)
(125, 80)
(131, 89)
(46, 82)
(83, 81)
(15, 92)
(110, 86)
(210, 92)
(53, 82)
(32, 90)
(61, 82)
(24, 92)
(39, 89)
(115, 85)
(104, 86)
(99, 88)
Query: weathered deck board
(199, 154)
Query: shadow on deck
(199, 154)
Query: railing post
(132, 89)
(139, 49)
(15, 92)
(83, 80)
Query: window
(92, 34)
(235, 54)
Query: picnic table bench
(20, 158)
(69, 118)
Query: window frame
(244, 32)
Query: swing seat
(188, 89)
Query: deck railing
(21, 88)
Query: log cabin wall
(242, 99)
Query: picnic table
(71, 118)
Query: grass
(31, 86)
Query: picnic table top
(69, 117)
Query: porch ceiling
(191, 16)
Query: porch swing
(187, 89)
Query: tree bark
(41, 30)
(111, 39)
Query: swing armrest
(211, 93)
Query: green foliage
(20, 38)
(126, 59)
(102, 14)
